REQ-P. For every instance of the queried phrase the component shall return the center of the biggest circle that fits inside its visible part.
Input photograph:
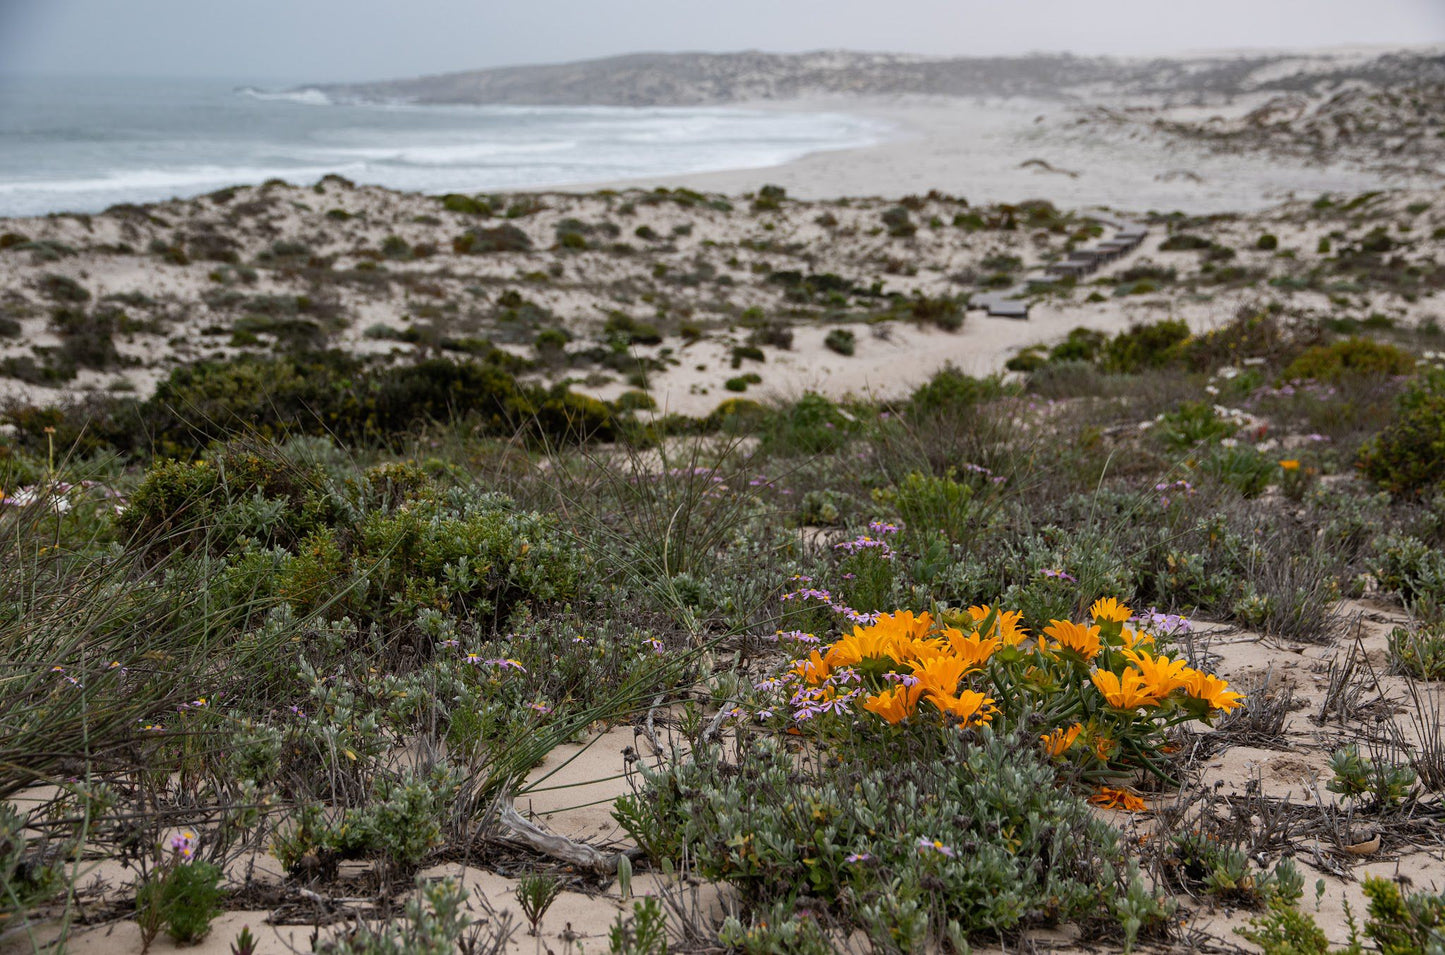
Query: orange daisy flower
(1071, 636)
(1058, 742)
(1107, 608)
(1111, 797)
(1212, 690)
(1126, 692)
(896, 703)
(1162, 674)
(970, 707)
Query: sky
(341, 40)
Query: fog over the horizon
(324, 40)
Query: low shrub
(1408, 457)
(467, 205)
(1349, 358)
(952, 836)
(62, 288)
(899, 223)
(503, 238)
(1152, 345)
(842, 341)
(950, 391)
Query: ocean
(83, 144)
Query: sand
(978, 149)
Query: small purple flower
(184, 845)
(857, 857)
(933, 845)
(1061, 575)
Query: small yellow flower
(1126, 692)
(1111, 797)
(1071, 636)
(1060, 741)
(1289, 464)
(1107, 608)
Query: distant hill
(698, 79)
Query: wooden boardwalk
(1013, 302)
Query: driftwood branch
(521, 831)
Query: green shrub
(395, 247)
(898, 222)
(1419, 652)
(436, 923)
(1190, 424)
(1408, 456)
(944, 311)
(87, 338)
(27, 875)
(185, 897)
(635, 400)
(1081, 344)
(624, 328)
(1284, 930)
(1404, 924)
(742, 353)
(1408, 566)
(950, 391)
(842, 341)
(1184, 242)
(1267, 242)
(741, 382)
(942, 831)
(1349, 358)
(811, 425)
(62, 288)
(455, 202)
(1152, 345)
(504, 238)
(551, 340)
(736, 415)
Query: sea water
(83, 144)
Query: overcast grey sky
(372, 39)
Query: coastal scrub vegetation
(947, 669)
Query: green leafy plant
(643, 933)
(536, 891)
(1419, 651)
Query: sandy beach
(1014, 150)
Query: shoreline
(1011, 151)
(987, 150)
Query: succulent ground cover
(1137, 646)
